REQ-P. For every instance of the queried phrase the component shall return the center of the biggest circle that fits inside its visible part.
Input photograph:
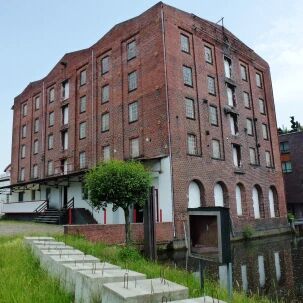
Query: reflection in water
(272, 267)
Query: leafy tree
(120, 183)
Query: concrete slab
(89, 283)
(205, 299)
(38, 242)
(142, 291)
(67, 272)
(38, 249)
(29, 240)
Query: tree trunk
(127, 226)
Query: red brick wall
(114, 233)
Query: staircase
(50, 216)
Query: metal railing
(70, 203)
(41, 208)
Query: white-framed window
(252, 156)
(105, 122)
(23, 131)
(83, 77)
(246, 99)
(65, 115)
(82, 160)
(51, 95)
(23, 151)
(82, 104)
(24, 109)
(208, 54)
(105, 93)
(262, 106)
(37, 102)
(227, 67)
(211, 85)
(259, 80)
(265, 131)
(36, 147)
(22, 174)
(105, 65)
(131, 50)
(243, 72)
(189, 108)
(231, 95)
(234, 128)
(106, 153)
(50, 168)
(213, 115)
(133, 112)
(249, 127)
(192, 144)
(64, 137)
(36, 125)
(134, 148)
(187, 76)
(132, 81)
(268, 159)
(51, 119)
(50, 141)
(236, 149)
(65, 89)
(216, 150)
(35, 171)
(184, 43)
(82, 130)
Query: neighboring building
(180, 93)
(291, 149)
(4, 182)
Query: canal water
(271, 266)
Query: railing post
(69, 216)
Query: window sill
(230, 81)
(284, 151)
(188, 85)
(194, 155)
(239, 170)
(254, 165)
(217, 159)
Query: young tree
(121, 183)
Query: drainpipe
(168, 121)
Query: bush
(248, 232)
(129, 254)
(290, 217)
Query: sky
(35, 34)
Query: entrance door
(65, 196)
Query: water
(272, 267)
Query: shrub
(248, 232)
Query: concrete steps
(50, 216)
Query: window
(252, 156)
(82, 130)
(284, 147)
(22, 174)
(51, 119)
(64, 139)
(233, 119)
(189, 108)
(33, 194)
(105, 65)
(64, 166)
(213, 115)
(211, 85)
(286, 167)
(50, 141)
(133, 112)
(239, 196)
(82, 104)
(243, 72)
(246, 99)
(51, 95)
(265, 131)
(23, 131)
(105, 122)
(36, 147)
(268, 159)
(132, 81)
(35, 171)
(259, 80)
(187, 76)
(36, 125)
(227, 67)
(23, 151)
(236, 149)
(231, 96)
(216, 151)
(262, 106)
(105, 93)
(131, 50)
(50, 168)
(249, 127)
(106, 153)
(184, 43)
(83, 77)
(208, 55)
(24, 109)
(192, 144)
(65, 115)
(65, 90)
(134, 148)
(37, 102)
(82, 160)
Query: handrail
(41, 208)
(70, 203)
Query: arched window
(273, 202)
(258, 202)
(220, 194)
(195, 194)
(239, 199)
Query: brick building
(291, 149)
(180, 93)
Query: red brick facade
(162, 126)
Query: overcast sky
(35, 34)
